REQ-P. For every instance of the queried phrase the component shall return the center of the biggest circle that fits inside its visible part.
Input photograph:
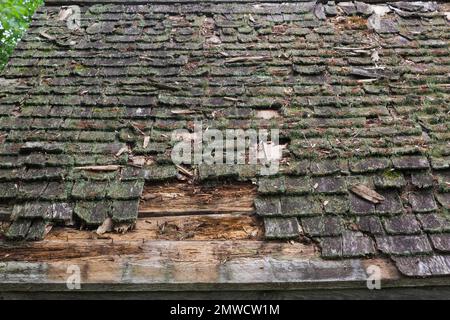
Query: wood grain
(183, 198)
(192, 227)
(179, 265)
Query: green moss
(391, 174)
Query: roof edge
(132, 2)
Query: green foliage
(14, 18)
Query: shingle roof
(360, 92)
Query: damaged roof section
(359, 92)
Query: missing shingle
(175, 198)
(216, 210)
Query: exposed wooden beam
(192, 227)
(183, 198)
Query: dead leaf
(106, 226)
(367, 193)
(138, 161)
(146, 142)
(48, 228)
(122, 151)
(46, 36)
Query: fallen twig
(185, 171)
(248, 59)
(100, 168)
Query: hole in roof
(214, 210)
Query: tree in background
(15, 16)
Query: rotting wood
(170, 251)
(192, 227)
(197, 199)
(367, 193)
(63, 250)
(183, 265)
(186, 265)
